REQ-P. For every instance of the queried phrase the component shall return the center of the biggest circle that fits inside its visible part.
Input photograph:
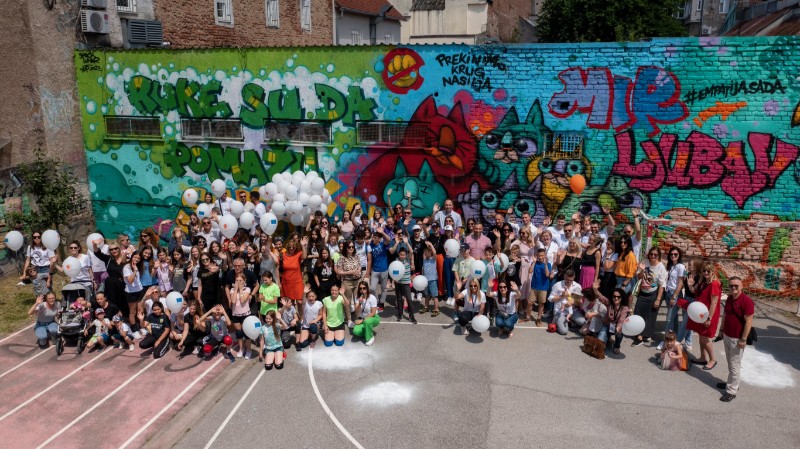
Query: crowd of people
(330, 277)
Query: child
(312, 319)
(403, 285)
(158, 326)
(289, 316)
(240, 309)
(268, 294)
(40, 281)
(540, 283)
(121, 333)
(101, 325)
(164, 271)
(83, 307)
(218, 324)
(672, 353)
(562, 314)
(488, 281)
(429, 271)
(271, 345)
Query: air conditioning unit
(94, 22)
(97, 4)
(143, 33)
(706, 31)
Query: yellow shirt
(627, 267)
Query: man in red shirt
(736, 324)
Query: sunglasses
(674, 254)
(73, 247)
(37, 236)
(503, 287)
(735, 287)
(113, 249)
(617, 296)
(706, 271)
(362, 288)
(205, 259)
(408, 212)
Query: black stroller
(71, 322)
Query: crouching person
(157, 325)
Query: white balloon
(14, 240)
(282, 185)
(91, 238)
(71, 266)
(477, 269)
(287, 177)
(280, 197)
(503, 260)
(291, 192)
(312, 175)
(326, 196)
(262, 191)
(248, 206)
(203, 210)
(190, 197)
(303, 198)
(295, 207)
(298, 177)
(452, 247)
(218, 187)
(278, 208)
(271, 189)
(174, 302)
(397, 270)
(277, 177)
(314, 201)
(269, 223)
(317, 185)
(480, 323)
(296, 219)
(246, 220)
(305, 186)
(228, 225)
(323, 208)
(252, 327)
(51, 239)
(237, 208)
(633, 326)
(698, 312)
(420, 283)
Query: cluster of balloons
(50, 239)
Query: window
(211, 128)
(117, 127)
(680, 11)
(564, 145)
(723, 6)
(699, 5)
(305, 15)
(356, 37)
(126, 6)
(410, 134)
(273, 13)
(223, 12)
(388, 39)
(298, 132)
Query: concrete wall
(459, 22)
(348, 22)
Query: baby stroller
(71, 323)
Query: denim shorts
(433, 288)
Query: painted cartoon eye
(492, 141)
(589, 208)
(575, 168)
(631, 199)
(525, 147)
(546, 165)
(489, 200)
(525, 205)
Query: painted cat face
(446, 138)
(554, 172)
(510, 146)
(424, 189)
(614, 194)
(510, 196)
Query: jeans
(381, 279)
(43, 330)
(685, 335)
(449, 277)
(506, 323)
(403, 291)
(365, 329)
(672, 312)
(628, 287)
(465, 317)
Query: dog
(594, 347)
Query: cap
(99, 310)
(116, 319)
(448, 228)
(435, 224)
(416, 228)
(464, 246)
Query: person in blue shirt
(540, 282)
(378, 264)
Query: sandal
(709, 368)
(698, 362)
(423, 310)
(434, 314)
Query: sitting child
(121, 333)
(562, 313)
(83, 307)
(671, 355)
(217, 323)
(101, 325)
(289, 316)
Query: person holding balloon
(402, 279)
(367, 313)
(78, 267)
(39, 256)
(708, 293)
(474, 302)
(617, 313)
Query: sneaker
(248, 355)
(413, 320)
(455, 317)
(131, 347)
(351, 324)
(231, 357)
(451, 301)
(195, 351)
(239, 355)
(137, 335)
(660, 346)
(727, 397)
(380, 307)
(313, 344)
(371, 341)
(118, 346)
(400, 318)
(688, 347)
(637, 343)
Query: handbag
(752, 337)
(683, 364)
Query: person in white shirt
(440, 215)
(557, 231)
(564, 292)
(223, 203)
(208, 233)
(474, 302)
(527, 223)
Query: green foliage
(50, 185)
(608, 21)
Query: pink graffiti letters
(701, 162)
(651, 99)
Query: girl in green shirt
(333, 317)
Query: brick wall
(190, 23)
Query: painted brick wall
(698, 133)
(189, 24)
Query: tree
(608, 21)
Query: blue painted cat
(424, 188)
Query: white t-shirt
(473, 304)
(40, 257)
(136, 285)
(441, 215)
(654, 277)
(637, 247)
(675, 273)
(310, 312)
(367, 305)
(558, 236)
(510, 307)
(98, 266)
(86, 264)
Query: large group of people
(330, 277)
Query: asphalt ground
(426, 386)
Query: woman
(346, 226)
(193, 269)
(115, 260)
(208, 286)
(608, 280)
(367, 313)
(676, 272)
(626, 265)
(134, 290)
(348, 269)
(324, 276)
(594, 308)
(219, 256)
(85, 277)
(177, 240)
(148, 238)
(357, 216)
(179, 273)
(525, 247)
(240, 310)
(269, 259)
(506, 316)
(311, 320)
(376, 222)
(46, 310)
(193, 330)
(231, 253)
(693, 269)
(468, 230)
(590, 262)
(708, 292)
(569, 259)
(252, 259)
(291, 274)
(315, 243)
(148, 269)
(617, 313)
(164, 271)
(397, 213)
(39, 256)
(333, 317)
(653, 278)
(474, 302)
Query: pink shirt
(477, 246)
(238, 308)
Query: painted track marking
(97, 404)
(325, 405)
(42, 352)
(444, 325)
(17, 333)
(235, 408)
(168, 406)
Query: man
(440, 215)
(566, 236)
(361, 250)
(477, 242)
(527, 223)
(417, 246)
(497, 230)
(230, 279)
(635, 233)
(408, 222)
(736, 325)
(260, 209)
(378, 264)
(224, 204)
(567, 290)
(461, 269)
(557, 231)
(208, 234)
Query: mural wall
(704, 127)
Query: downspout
(333, 15)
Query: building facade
(367, 22)
(469, 22)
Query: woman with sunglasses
(653, 276)
(708, 291)
(367, 313)
(626, 264)
(179, 273)
(324, 273)
(148, 272)
(506, 317)
(38, 256)
(134, 291)
(474, 302)
(219, 256)
(85, 277)
(193, 271)
(208, 289)
(676, 272)
(346, 225)
(114, 288)
(616, 316)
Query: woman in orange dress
(708, 291)
(291, 272)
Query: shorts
(95, 338)
(337, 328)
(540, 295)
(278, 349)
(433, 288)
(134, 297)
(238, 319)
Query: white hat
(448, 228)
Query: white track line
(168, 406)
(323, 404)
(41, 353)
(235, 408)
(450, 324)
(17, 333)
(75, 371)
(98, 404)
